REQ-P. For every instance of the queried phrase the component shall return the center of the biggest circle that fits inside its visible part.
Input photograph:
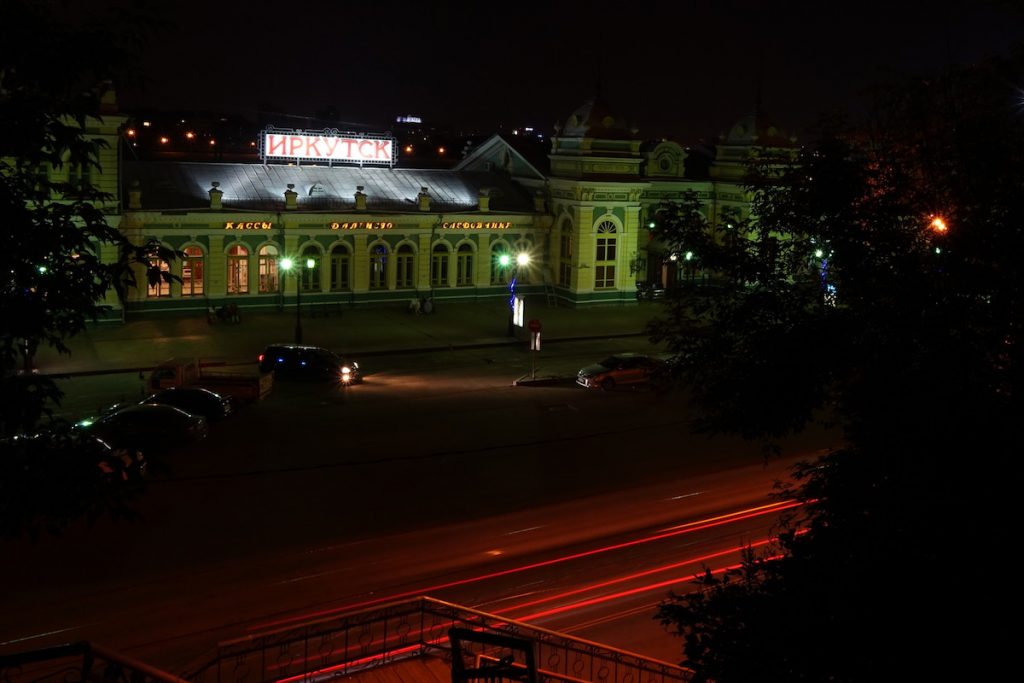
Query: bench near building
(360, 229)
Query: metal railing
(84, 662)
(329, 648)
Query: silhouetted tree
(53, 277)
(845, 302)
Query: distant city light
(130, 132)
(190, 135)
(408, 149)
(938, 225)
(408, 119)
(163, 140)
(213, 142)
(688, 256)
(252, 143)
(440, 150)
(146, 124)
(818, 253)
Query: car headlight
(346, 370)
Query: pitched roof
(258, 187)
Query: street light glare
(523, 259)
(938, 225)
(504, 260)
(286, 263)
(310, 263)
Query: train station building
(338, 215)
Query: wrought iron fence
(329, 648)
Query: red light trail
(690, 527)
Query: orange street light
(938, 225)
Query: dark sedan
(294, 361)
(149, 427)
(195, 400)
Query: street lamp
(522, 260)
(287, 265)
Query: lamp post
(287, 265)
(522, 260)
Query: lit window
(269, 282)
(340, 269)
(238, 269)
(378, 267)
(310, 276)
(405, 267)
(439, 266)
(464, 266)
(605, 256)
(192, 272)
(163, 286)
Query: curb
(387, 352)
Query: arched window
(405, 267)
(439, 266)
(604, 257)
(192, 272)
(163, 287)
(238, 269)
(464, 266)
(268, 269)
(310, 276)
(378, 267)
(340, 275)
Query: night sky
(686, 69)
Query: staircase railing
(337, 646)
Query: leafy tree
(843, 302)
(53, 277)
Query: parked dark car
(621, 368)
(294, 361)
(67, 452)
(195, 400)
(148, 427)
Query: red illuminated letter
(275, 144)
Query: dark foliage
(60, 255)
(54, 479)
(890, 568)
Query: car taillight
(260, 359)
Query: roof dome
(757, 129)
(593, 119)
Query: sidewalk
(138, 345)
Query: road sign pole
(534, 327)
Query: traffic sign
(534, 325)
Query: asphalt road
(436, 469)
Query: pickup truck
(242, 382)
